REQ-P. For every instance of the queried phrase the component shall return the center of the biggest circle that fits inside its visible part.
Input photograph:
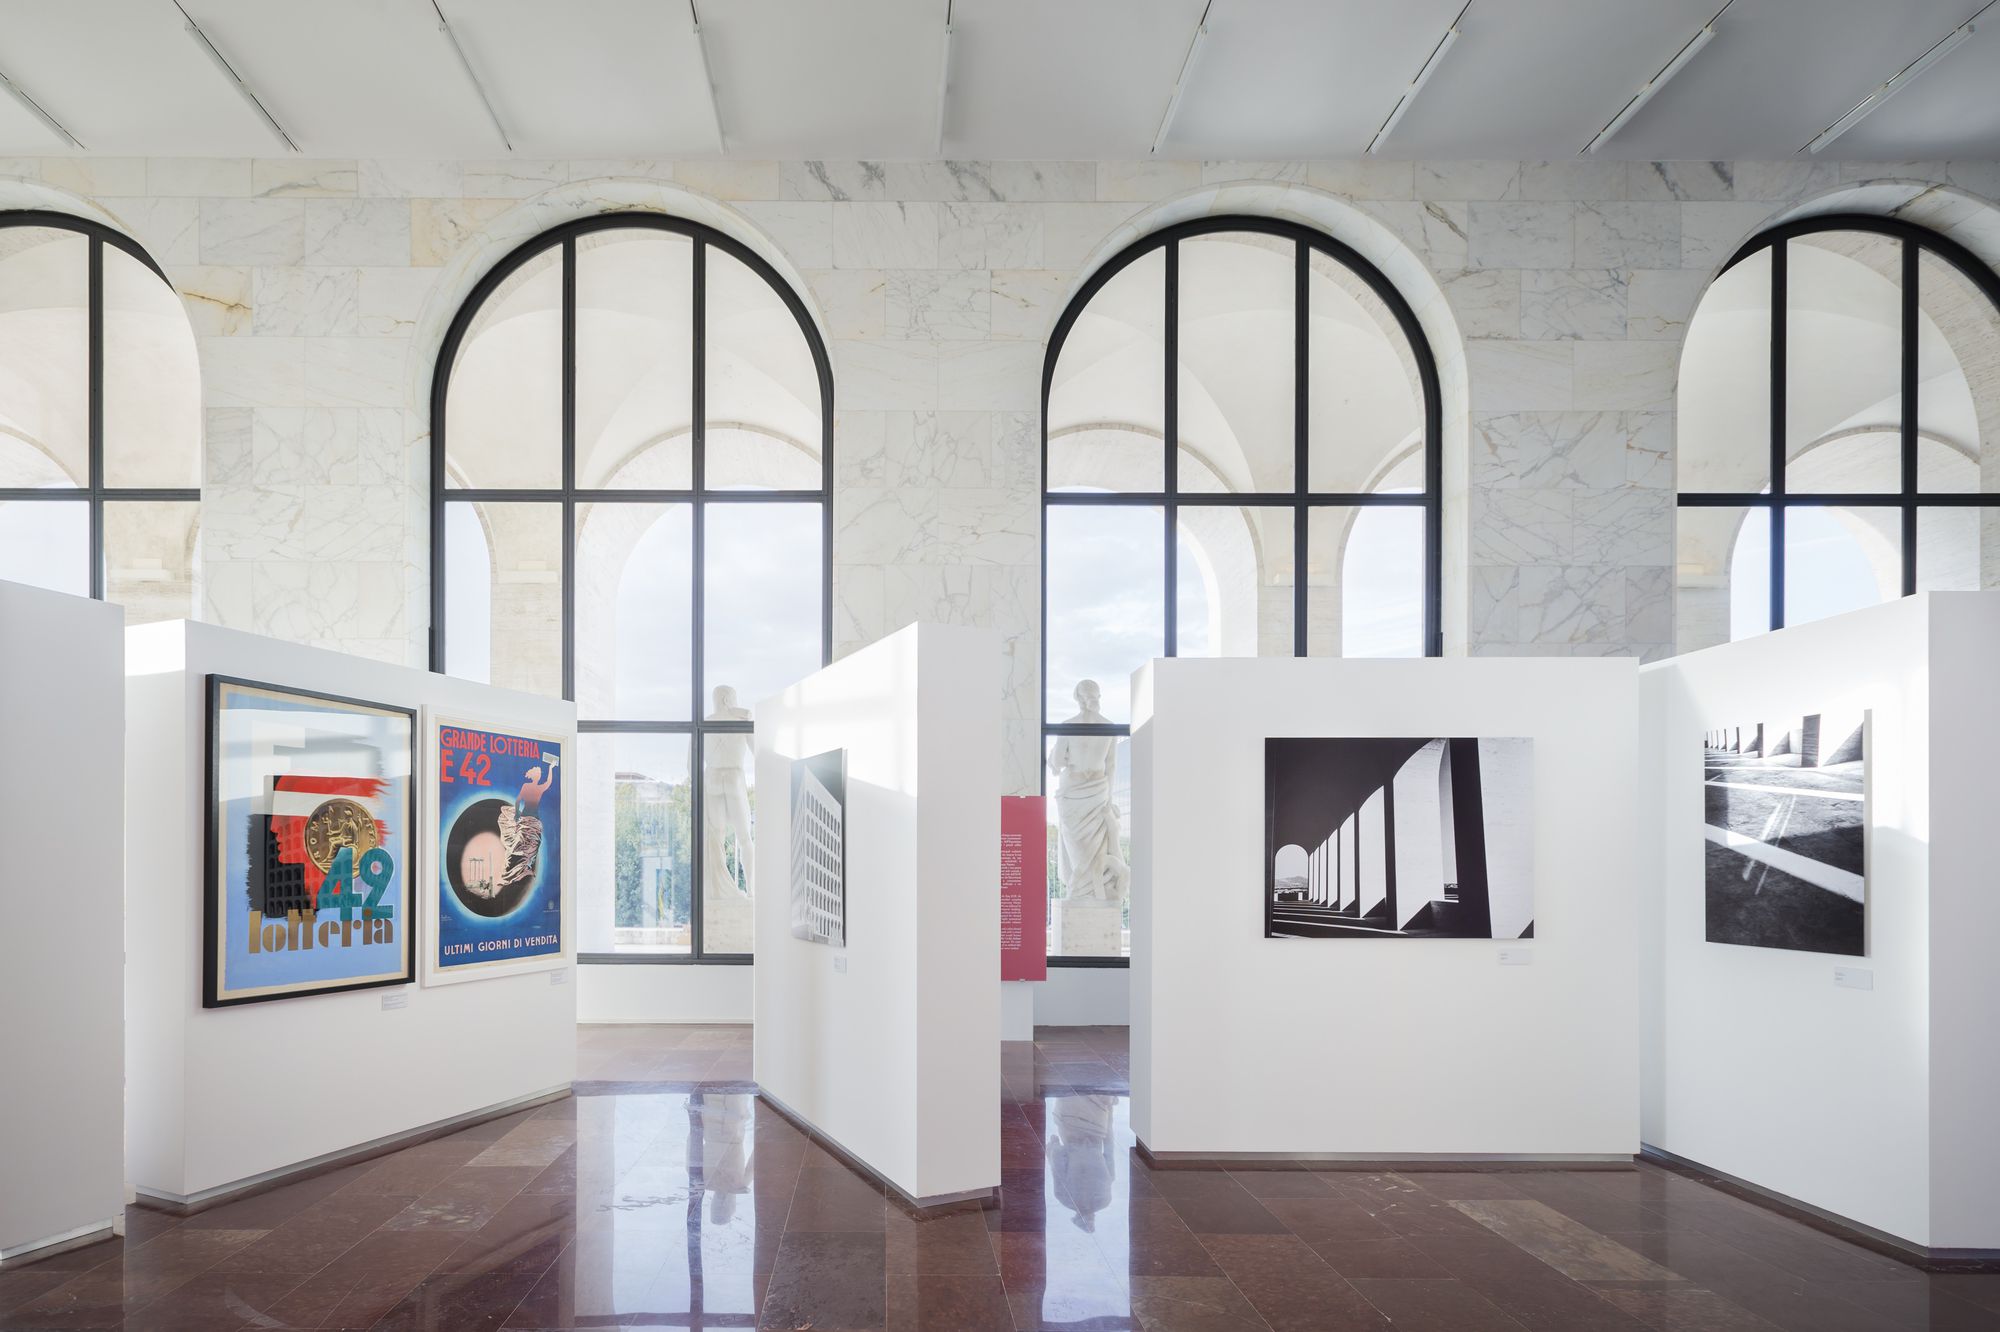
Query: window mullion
(1779, 333)
(1301, 449)
(95, 464)
(1170, 340)
(698, 464)
(1911, 277)
(569, 468)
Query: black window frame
(1301, 499)
(1778, 499)
(95, 493)
(697, 497)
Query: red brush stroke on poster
(1024, 888)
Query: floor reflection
(664, 1194)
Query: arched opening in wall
(100, 419)
(631, 456)
(1225, 403)
(1838, 386)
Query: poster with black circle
(499, 852)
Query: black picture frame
(212, 888)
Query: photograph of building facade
(1393, 838)
(819, 856)
(1785, 822)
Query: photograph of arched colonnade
(1399, 838)
(1786, 809)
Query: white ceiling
(1061, 79)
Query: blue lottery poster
(499, 848)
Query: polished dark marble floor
(663, 1196)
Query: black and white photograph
(1785, 813)
(1418, 838)
(819, 855)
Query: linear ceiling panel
(360, 78)
(1536, 79)
(1303, 78)
(124, 78)
(1780, 71)
(590, 78)
(805, 78)
(1062, 79)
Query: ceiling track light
(1657, 82)
(1902, 79)
(708, 79)
(478, 88)
(944, 79)
(1181, 82)
(1417, 84)
(34, 108)
(235, 79)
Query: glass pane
(762, 405)
(1958, 345)
(634, 611)
(44, 356)
(1840, 559)
(633, 859)
(46, 543)
(152, 380)
(1090, 845)
(1106, 604)
(762, 594)
(1237, 407)
(503, 595)
(1723, 585)
(1365, 411)
(150, 557)
(1234, 567)
(1843, 363)
(1365, 594)
(634, 360)
(729, 842)
(1108, 392)
(503, 409)
(1958, 550)
(1724, 400)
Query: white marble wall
(318, 291)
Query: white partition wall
(1396, 1047)
(218, 1098)
(1875, 1104)
(62, 710)
(890, 1045)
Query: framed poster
(1424, 837)
(496, 904)
(1785, 827)
(819, 848)
(311, 821)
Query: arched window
(1225, 403)
(631, 427)
(1838, 384)
(100, 419)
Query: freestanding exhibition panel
(1366, 1043)
(224, 1098)
(62, 975)
(886, 1042)
(1862, 1085)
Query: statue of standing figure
(1088, 827)
(726, 797)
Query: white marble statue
(1088, 826)
(726, 797)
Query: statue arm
(1059, 756)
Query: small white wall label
(560, 976)
(1517, 957)
(840, 963)
(1854, 978)
(396, 999)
